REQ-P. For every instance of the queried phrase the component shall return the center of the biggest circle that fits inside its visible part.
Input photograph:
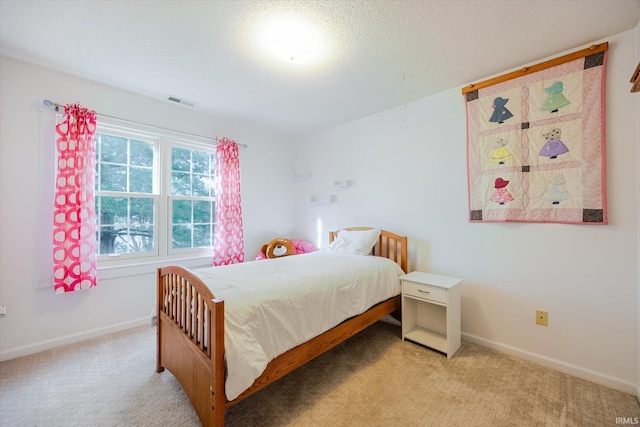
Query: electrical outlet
(542, 318)
(3, 310)
(42, 282)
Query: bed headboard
(389, 245)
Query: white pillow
(358, 242)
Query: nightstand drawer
(431, 293)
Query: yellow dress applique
(501, 154)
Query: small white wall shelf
(315, 201)
(299, 177)
(343, 184)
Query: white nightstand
(431, 311)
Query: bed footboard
(190, 341)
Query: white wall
(637, 97)
(414, 182)
(38, 319)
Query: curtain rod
(55, 106)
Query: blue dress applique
(500, 112)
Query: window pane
(200, 186)
(181, 236)
(202, 212)
(113, 178)
(181, 211)
(192, 173)
(125, 224)
(141, 180)
(141, 224)
(141, 211)
(113, 149)
(192, 223)
(180, 184)
(180, 159)
(208, 183)
(200, 162)
(141, 238)
(141, 153)
(111, 210)
(201, 235)
(112, 218)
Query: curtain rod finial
(47, 103)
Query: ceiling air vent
(181, 101)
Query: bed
(191, 326)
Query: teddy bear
(278, 247)
(299, 247)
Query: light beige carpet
(374, 379)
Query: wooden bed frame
(190, 341)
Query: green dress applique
(556, 99)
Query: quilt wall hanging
(536, 142)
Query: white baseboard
(71, 339)
(558, 365)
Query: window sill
(133, 269)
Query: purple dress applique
(554, 146)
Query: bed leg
(218, 415)
(218, 397)
(159, 367)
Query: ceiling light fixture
(291, 40)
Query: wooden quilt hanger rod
(593, 49)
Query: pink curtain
(74, 220)
(228, 246)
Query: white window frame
(140, 263)
(109, 259)
(169, 198)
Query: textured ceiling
(378, 54)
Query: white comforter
(274, 305)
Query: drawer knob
(423, 292)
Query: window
(192, 203)
(154, 195)
(126, 194)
